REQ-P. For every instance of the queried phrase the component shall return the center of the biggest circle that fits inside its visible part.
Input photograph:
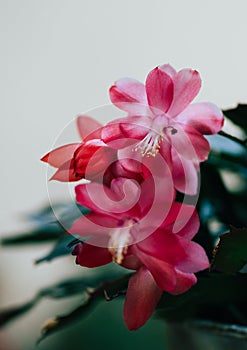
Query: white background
(58, 58)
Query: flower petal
(130, 96)
(87, 126)
(66, 173)
(159, 87)
(196, 258)
(60, 155)
(204, 117)
(113, 202)
(92, 159)
(187, 84)
(92, 256)
(185, 174)
(163, 273)
(93, 224)
(189, 143)
(184, 281)
(164, 246)
(141, 299)
(168, 69)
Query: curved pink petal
(141, 299)
(159, 87)
(184, 281)
(189, 143)
(196, 258)
(187, 84)
(60, 155)
(185, 174)
(187, 223)
(87, 126)
(182, 220)
(163, 273)
(206, 118)
(130, 96)
(92, 256)
(168, 69)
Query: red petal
(60, 155)
(141, 299)
(66, 173)
(163, 273)
(93, 224)
(184, 281)
(92, 159)
(159, 87)
(196, 258)
(93, 256)
(187, 84)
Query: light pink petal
(196, 258)
(200, 144)
(163, 273)
(136, 127)
(185, 174)
(187, 83)
(92, 256)
(60, 155)
(86, 126)
(141, 299)
(206, 118)
(184, 281)
(159, 87)
(189, 143)
(168, 69)
(130, 96)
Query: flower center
(119, 242)
(150, 145)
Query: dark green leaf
(43, 233)
(48, 226)
(213, 297)
(71, 287)
(91, 296)
(238, 116)
(61, 248)
(231, 253)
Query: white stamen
(118, 243)
(149, 146)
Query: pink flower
(162, 120)
(121, 229)
(87, 159)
